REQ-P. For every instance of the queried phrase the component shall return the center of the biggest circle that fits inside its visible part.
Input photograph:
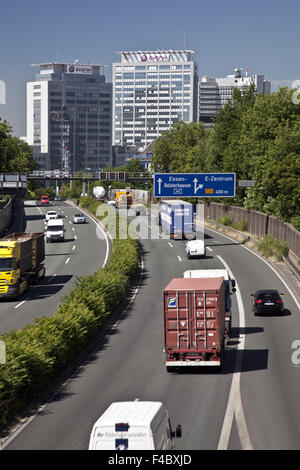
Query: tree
(15, 155)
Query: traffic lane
(63, 263)
(130, 364)
(270, 382)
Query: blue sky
(261, 35)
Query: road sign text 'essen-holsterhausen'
(194, 185)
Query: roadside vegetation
(36, 353)
(255, 136)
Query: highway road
(81, 253)
(252, 404)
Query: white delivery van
(55, 230)
(133, 425)
(195, 248)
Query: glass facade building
(69, 115)
(151, 91)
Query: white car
(51, 215)
(112, 202)
(195, 248)
(79, 219)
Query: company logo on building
(154, 57)
(79, 69)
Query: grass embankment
(36, 353)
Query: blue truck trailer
(176, 218)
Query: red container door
(192, 320)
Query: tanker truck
(99, 193)
(21, 257)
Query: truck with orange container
(194, 322)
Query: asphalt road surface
(252, 404)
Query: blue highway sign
(194, 185)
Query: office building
(69, 115)
(215, 92)
(151, 91)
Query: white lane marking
(73, 229)
(234, 405)
(100, 228)
(42, 407)
(179, 258)
(74, 247)
(19, 305)
(75, 237)
(265, 261)
(170, 244)
(67, 260)
(208, 248)
(52, 277)
(70, 222)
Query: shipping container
(194, 322)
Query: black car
(267, 301)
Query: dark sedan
(267, 302)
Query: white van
(195, 248)
(133, 425)
(55, 230)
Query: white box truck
(216, 273)
(133, 425)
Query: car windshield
(6, 264)
(55, 228)
(78, 215)
(51, 213)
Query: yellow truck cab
(124, 199)
(21, 255)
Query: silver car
(79, 219)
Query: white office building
(215, 92)
(151, 91)
(69, 115)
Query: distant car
(112, 202)
(45, 200)
(57, 198)
(51, 215)
(79, 219)
(267, 301)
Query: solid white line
(179, 258)
(104, 233)
(19, 305)
(28, 421)
(208, 248)
(67, 261)
(234, 405)
(265, 261)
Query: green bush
(269, 243)
(295, 221)
(36, 353)
(225, 220)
